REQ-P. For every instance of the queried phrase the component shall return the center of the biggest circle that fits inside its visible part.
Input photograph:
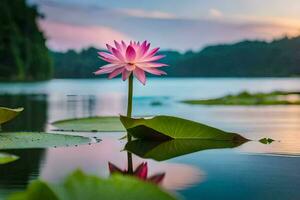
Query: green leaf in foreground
(168, 127)
(7, 158)
(165, 150)
(7, 114)
(23, 140)
(79, 186)
(105, 124)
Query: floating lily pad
(7, 158)
(7, 114)
(165, 150)
(168, 127)
(105, 124)
(81, 186)
(266, 140)
(24, 140)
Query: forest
(278, 58)
(23, 53)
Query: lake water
(250, 171)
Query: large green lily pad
(7, 158)
(165, 150)
(105, 124)
(7, 114)
(168, 127)
(23, 140)
(80, 186)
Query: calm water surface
(250, 171)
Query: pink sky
(74, 26)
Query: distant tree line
(23, 53)
(279, 58)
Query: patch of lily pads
(30, 140)
(152, 128)
(249, 99)
(159, 137)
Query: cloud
(215, 13)
(62, 37)
(147, 14)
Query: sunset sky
(172, 24)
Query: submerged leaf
(81, 186)
(24, 140)
(105, 124)
(7, 158)
(164, 150)
(168, 127)
(7, 114)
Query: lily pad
(168, 127)
(165, 150)
(105, 124)
(7, 114)
(7, 158)
(81, 186)
(266, 140)
(24, 140)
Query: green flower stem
(129, 113)
(130, 91)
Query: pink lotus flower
(140, 172)
(134, 58)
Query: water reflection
(16, 175)
(164, 150)
(75, 106)
(228, 173)
(93, 159)
(141, 172)
(34, 116)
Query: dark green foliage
(278, 58)
(244, 59)
(76, 65)
(23, 54)
(247, 99)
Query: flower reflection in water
(140, 172)
(93, 159)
